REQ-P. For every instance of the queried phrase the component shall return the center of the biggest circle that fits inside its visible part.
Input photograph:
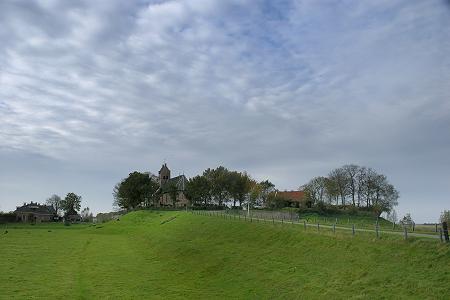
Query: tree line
(221, 187)
(352, 185)
(217, 187)
(69, 205)
(349, 185)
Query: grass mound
(144, 255)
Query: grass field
(180, 255)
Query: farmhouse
(167, 185)
(34, 212)
(295, 198)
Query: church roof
(179, 181)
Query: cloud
(285, 90)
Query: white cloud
(286, 89)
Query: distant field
(180, 255)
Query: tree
(340, 179)
(351, 171)
(392, 216)
(360, 179)
(267, 188)
(239, 187)
(407, 220)
(315, 190)
(86, 215)
(255, 193)
(276, 201)
(445, 217)
(71, 203)
(198, 190)
(363, 185)
(137, 190)
(331, 191)
(55, 201)
(172, 190)
(218, 179)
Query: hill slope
(179, 255)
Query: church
(165, 183)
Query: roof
(179, 181)
(164, 168)
(294, 196)
(35, 208)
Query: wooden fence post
(405, 232)
(378, 233)
(440, 235)
(304, 224)
(334, 228)
(445, 229)
(318, 226)
(353, 229)
(414, 226)
(435, 227)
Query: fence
(294, 219)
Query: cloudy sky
(286, 90)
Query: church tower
(164, 174)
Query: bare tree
(55, 201)
(315, 189)
(351, 171)
(392, 216)
(340, 179)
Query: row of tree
(349, 185)
(221, 187)
(352, 185)
(215, 187)
(69, 205)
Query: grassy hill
(180, 255)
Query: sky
(285, 90)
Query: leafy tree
(86, 215)
(219, 182)
(445, 217)
(239, 187)
(267, 188)
(255, 193)
(172, 190)
(276, 201)
(72, 202)
(56, 202)
(198, 190)
(407, 220)
(138, 189)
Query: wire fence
(333, 224)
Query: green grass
(178, 255)
(363, 221)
